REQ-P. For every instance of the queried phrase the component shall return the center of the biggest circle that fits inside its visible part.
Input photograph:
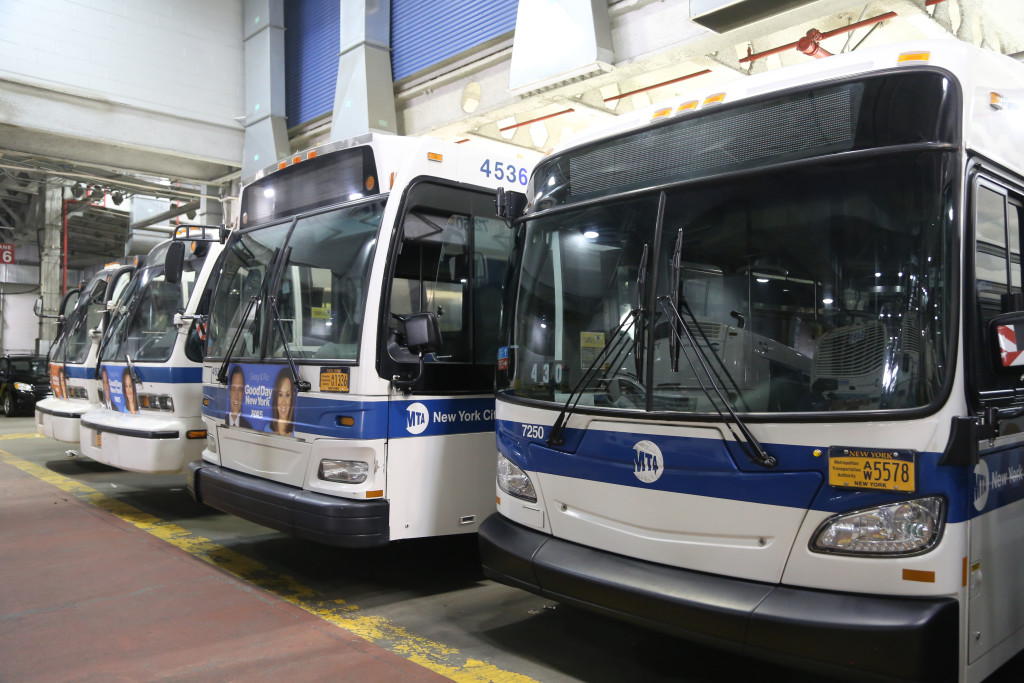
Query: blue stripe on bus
(719, 469)
(165, 374)
(80, 371)
(394, 419)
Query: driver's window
(997, 275)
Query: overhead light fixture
(78, 191)
(191, 215)
(97, 192)
(117, 197)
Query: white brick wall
(180, 56)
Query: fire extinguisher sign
(6, 253)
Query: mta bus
(82, 317)
(348, 385)
(758, 384)
(150, 364)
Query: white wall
(179, 55)
(20, 325)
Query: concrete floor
(110, 575)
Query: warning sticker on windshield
(591, 345)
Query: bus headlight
(514, 481)
(161, 402)
(21, 386)
(345, 471)
(906, 528)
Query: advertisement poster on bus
(261, 398)
(120, 389)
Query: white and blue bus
(349, 375)
(151, 361)
(83, 314)
(750, 387)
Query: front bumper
(140, 443)
(836, 634)
(59, 419)
(313, 516)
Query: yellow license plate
(97, 440)
(334, 379)
(857, 468)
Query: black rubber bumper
(313, 516)
(836, 634)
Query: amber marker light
(662, 113)
(346, 421)
(370, 183)
(717, 98)
(281, 165)
(434, 156)
(374, 494)
(311, 154)
(687, 106)
(914, 57)
(195, 434)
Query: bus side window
(997, 270)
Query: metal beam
(170, 213)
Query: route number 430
(501, 171)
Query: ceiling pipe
(520, 124)
(810, 45)
(615, 98)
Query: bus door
(995, 591)
(449, 259)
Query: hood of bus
(684, 496)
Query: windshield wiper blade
(638, 333)
(222, 373)
(749, 443)
(300, 384)
(555, 436)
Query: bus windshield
(74, 344)
(143, 328)
(824, 286)
(321, 290)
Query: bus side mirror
(509, 204)
(1008, 351)
(37, 307)
(422, 334)
(174, 262)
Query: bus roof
(994, 123)
(399, 159)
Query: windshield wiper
(749, 443)
(555, 437)
(638, 333)
(300, 384)
(222, 373)
(679, 303)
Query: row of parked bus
(744, 371)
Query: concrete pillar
(46, 214)
(266, 130)
(364, 100)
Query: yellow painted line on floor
(430, 654)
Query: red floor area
(86, 596)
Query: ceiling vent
(722, 16)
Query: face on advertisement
(106, 390)
(236, 391)
(130, 402)
(283, 407)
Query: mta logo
(981, 480)
(648, 463)
(417, 418)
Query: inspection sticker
(334, 379)
(876, 469)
